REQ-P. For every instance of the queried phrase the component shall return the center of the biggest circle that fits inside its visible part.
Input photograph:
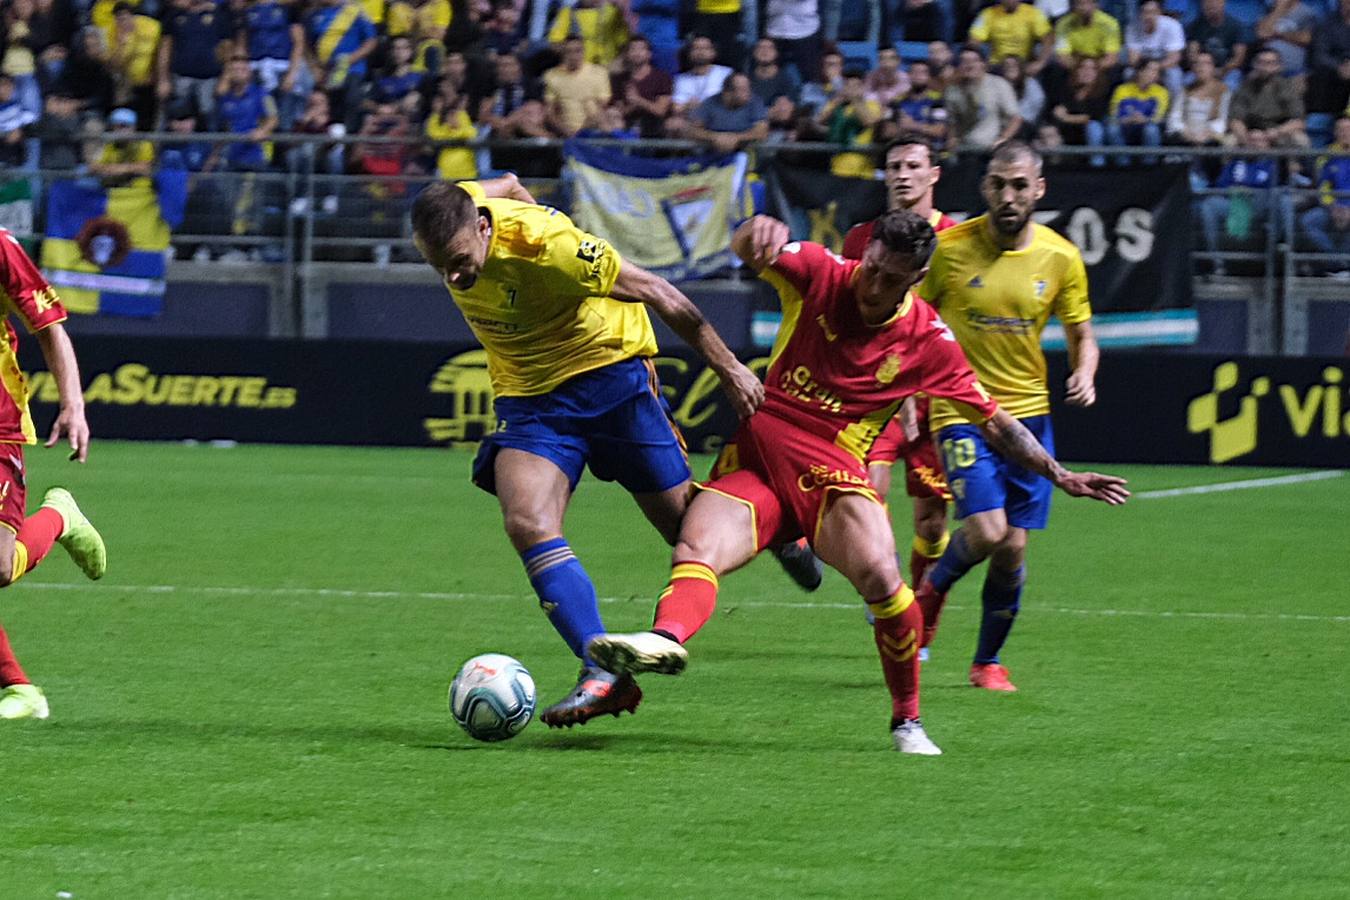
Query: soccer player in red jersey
(911, 173)
(24, 541)
(855, 343)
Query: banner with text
(672, 216)
(1151, 408)
(1132, 226)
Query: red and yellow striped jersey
(835, 376)
(25, 293)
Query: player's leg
(1027, 507)
(930, 542)
(855, 537)
(718, 535)
(976, 477)
(879, 473)
(1000, 601)
(19, 698)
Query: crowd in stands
(726, 73)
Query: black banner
(1131, 225)
(1151, 408)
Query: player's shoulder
(966, 232)
(1046, 240)
(811, 254)
(523, 229)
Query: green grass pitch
(252, 704)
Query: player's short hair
(1014, 151)
(911, 139)
(906, 232)
(441, 211)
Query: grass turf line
(274, 746)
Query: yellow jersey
(541, 306)
(997, 302)
(1013, 33)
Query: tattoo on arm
(1012, 439)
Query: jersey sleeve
(29, 293)
(947, 374)
(575, 263)
(794, 270)
(932, 286)
(1071, 302)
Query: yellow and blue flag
(104, 249)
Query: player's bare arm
(1083, 358)
(758, 240)
(637, 285)
(1012, 439)
(507, 187)
(70, 421)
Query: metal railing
(304, 210)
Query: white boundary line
(1244, 485)
(240, 591)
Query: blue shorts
(613, 418)
(982, 480)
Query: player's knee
(526, 528)
(878, 576)
(6, 571)
(985, 536)
(929, 524)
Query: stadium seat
(914, 51)
(1248, 12)
(1320, 126)
(859, 55)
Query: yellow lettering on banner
(133, 384)
(1301, 412)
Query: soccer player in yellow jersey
(569, 346)
(996, 279)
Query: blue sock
(565, 593)
(1002, 597)
(955, 561)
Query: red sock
(10, 670)
(898, 623)
(37, 535)
(687, 602)
(930, 603)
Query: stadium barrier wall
(1151, 407)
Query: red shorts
(906, 437)
(13, 491)
(786, 476)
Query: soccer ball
(492, 697)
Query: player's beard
(1010, 226)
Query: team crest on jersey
(589, 250)
(889, 368)
(1040, 284)
(975, 282)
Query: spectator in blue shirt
(730, 119)
(1237, 213)
(14, 120)
(243, 107)
(341, 38)
(274, 38)
(1327, 225)
(400, 83)
(180, 117)
(188, 65)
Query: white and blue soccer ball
(492, 697)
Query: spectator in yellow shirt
(1014, 28)
(599, 24)
(449, 121)
(1138, 109)
(133, 47)
(123, 162)
(1087, 33)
